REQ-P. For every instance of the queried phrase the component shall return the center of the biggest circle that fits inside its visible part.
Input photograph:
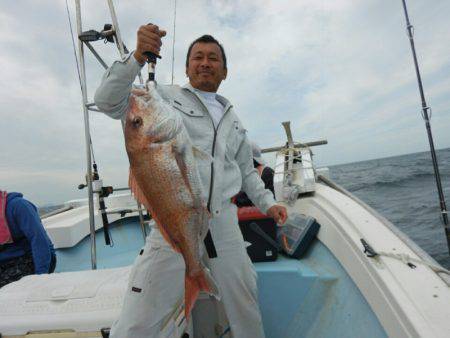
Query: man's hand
(278, 213)
(148, 40)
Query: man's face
(205, 70)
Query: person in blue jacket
(31, 250)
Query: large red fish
(164, 177)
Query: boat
(360, 276)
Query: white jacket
(232, 168)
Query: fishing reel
(108, 34)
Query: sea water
(403, 189)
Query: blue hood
(13, 195)
(28, 233)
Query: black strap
(210, 247)
(257, 229)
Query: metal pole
(425, 110)
(88, 139)
(296, 145)
(119, 41)
(290, 142)
(96, 55)
(116, 28)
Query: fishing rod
(425, 110)
(151, 62)
(151, 59)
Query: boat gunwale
(384, 282)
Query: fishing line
(73, 45)
(78, 71)
(173, 40)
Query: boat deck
(311, 297)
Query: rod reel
(103, 192)
(108, 34)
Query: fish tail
(193, 285)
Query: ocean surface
(403, 189)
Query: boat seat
(312, 297)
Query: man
(264, 171)
(157, 277)
(25, 247)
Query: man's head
(257, 155)
(206, 64)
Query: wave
(391, 181)
(48, 208)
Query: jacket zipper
(211, 181)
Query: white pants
(156, 283)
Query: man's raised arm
(111, 97)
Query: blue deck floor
(311, 297)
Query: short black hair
(207, 39)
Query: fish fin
(210, 283)
(205, 223)
(136, 190)
(168, 238)
(191, 292)
(140, 197)
(200, 154)
(179, 153)
(193, 285)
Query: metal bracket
(368, 250)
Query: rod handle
(151, 57)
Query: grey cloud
(340, 70)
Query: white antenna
(173, 40)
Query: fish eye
(137, 122)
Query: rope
(408, 260)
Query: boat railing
(296, 145)
(294, 171)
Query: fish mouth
(139, 91)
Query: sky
(339, 70)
